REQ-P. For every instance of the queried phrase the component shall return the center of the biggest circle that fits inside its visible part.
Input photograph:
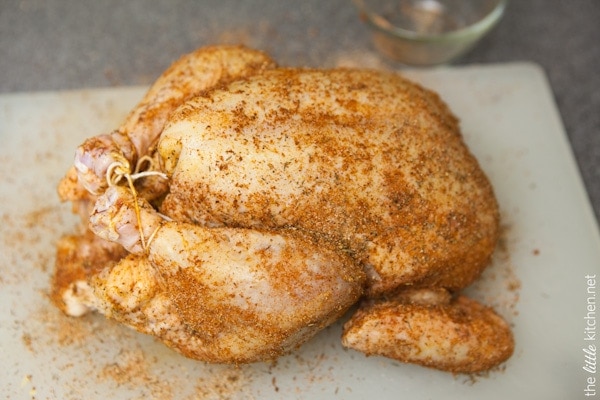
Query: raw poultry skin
(243, 295)
(221, 294)
(366, 159)
(192, 74)
(449, 333)
(362, 181)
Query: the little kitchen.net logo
(589, 337)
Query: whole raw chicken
(263, 202)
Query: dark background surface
(63, 44)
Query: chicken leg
(242, 295)
(188, 77)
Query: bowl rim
(481, 26)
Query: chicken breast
(364, 159)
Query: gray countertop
(62, 44)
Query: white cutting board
(537, 281)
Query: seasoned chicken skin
(234, 295)
(281, 198)
(453, 334)
(192, 74)
(370, 161)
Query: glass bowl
(428, 32)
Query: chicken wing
(78, 259)
(426, 328)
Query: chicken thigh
(235, 295)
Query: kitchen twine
(121, 169)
